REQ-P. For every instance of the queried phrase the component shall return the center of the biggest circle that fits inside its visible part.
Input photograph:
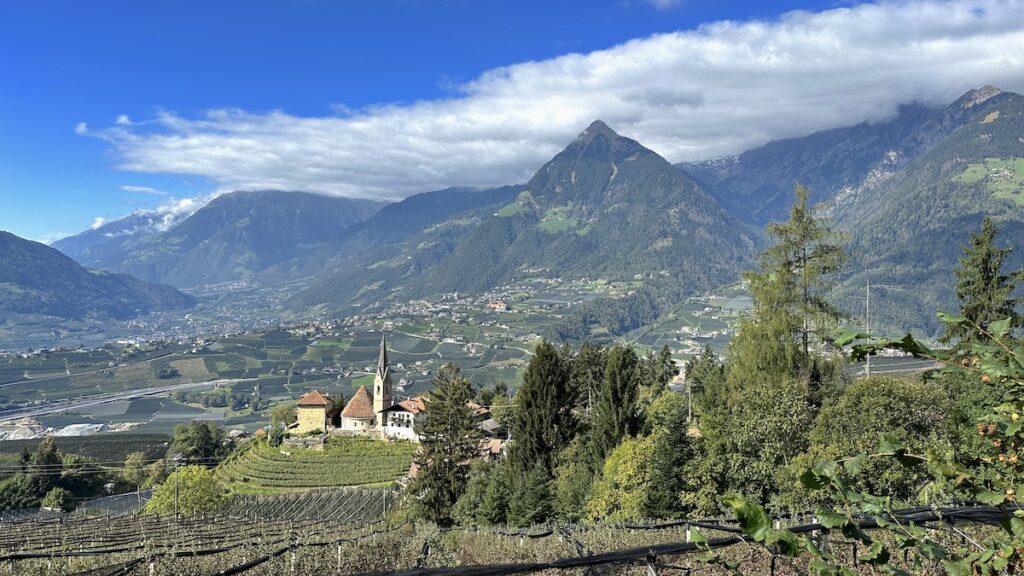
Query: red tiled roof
(412, 405)
(314, 399)
(359, 406)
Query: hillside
(36, 279)
(237, 236)
(907, 229)
(605, 207)
(757, 185)
(344, 461)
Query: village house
(314, 411)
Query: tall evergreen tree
(543, 422)
(985, 291)
(448, 443)
(616, 412)
(531, 503)
(673, 449)
(587, 374)
(808, 254)
(497, 496)
(659, 371)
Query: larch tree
(808, 255)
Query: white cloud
(721, 88)
(97, 222)
(143, 190)
(81, 128)
(123, 120)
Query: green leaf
(876, 554)
(830, 519)
(1000, 328)
(1017, 527)
(947, 318)
(847, 337)
(812, 480)
(752, 518)
(989, 497)
(957, 567)
(931, 551)
(854, 466)
(785, 541)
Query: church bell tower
(381, 384)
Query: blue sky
(310, 70)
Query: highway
(93, 400)
(892, 365)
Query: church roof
(314, 399)
(359, 406)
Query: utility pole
(177, 479)
(867, 322)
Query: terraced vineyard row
(345, 505)
(345, 461)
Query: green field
(345, 461)
(1003, 177)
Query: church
(377, 415)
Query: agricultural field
(490, 344)
(344, 461)
(158, 546)
(1003, 177)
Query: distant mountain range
(36, 279)
(237, 236)
(605, 207)
(908, 190)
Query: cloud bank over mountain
(719, 89)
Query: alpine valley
(604, 210)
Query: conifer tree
(531, 503)
(986, 293)
(448, 443)
(543, 422)
(807, 254)
(673, 449)
(587, 375)
(616, 413)
(497, 497)
(659, 371)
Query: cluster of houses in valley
(379, 415)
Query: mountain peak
(974, 97)
(597, 127)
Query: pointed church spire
(382, 360)
(382, 384)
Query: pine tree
(986, 293)
(449, 442)
(616, 412)
(543, 422)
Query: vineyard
(344, 461)
(345, 505)
(230, 545)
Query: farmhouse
(314, 412)
(402, 418)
